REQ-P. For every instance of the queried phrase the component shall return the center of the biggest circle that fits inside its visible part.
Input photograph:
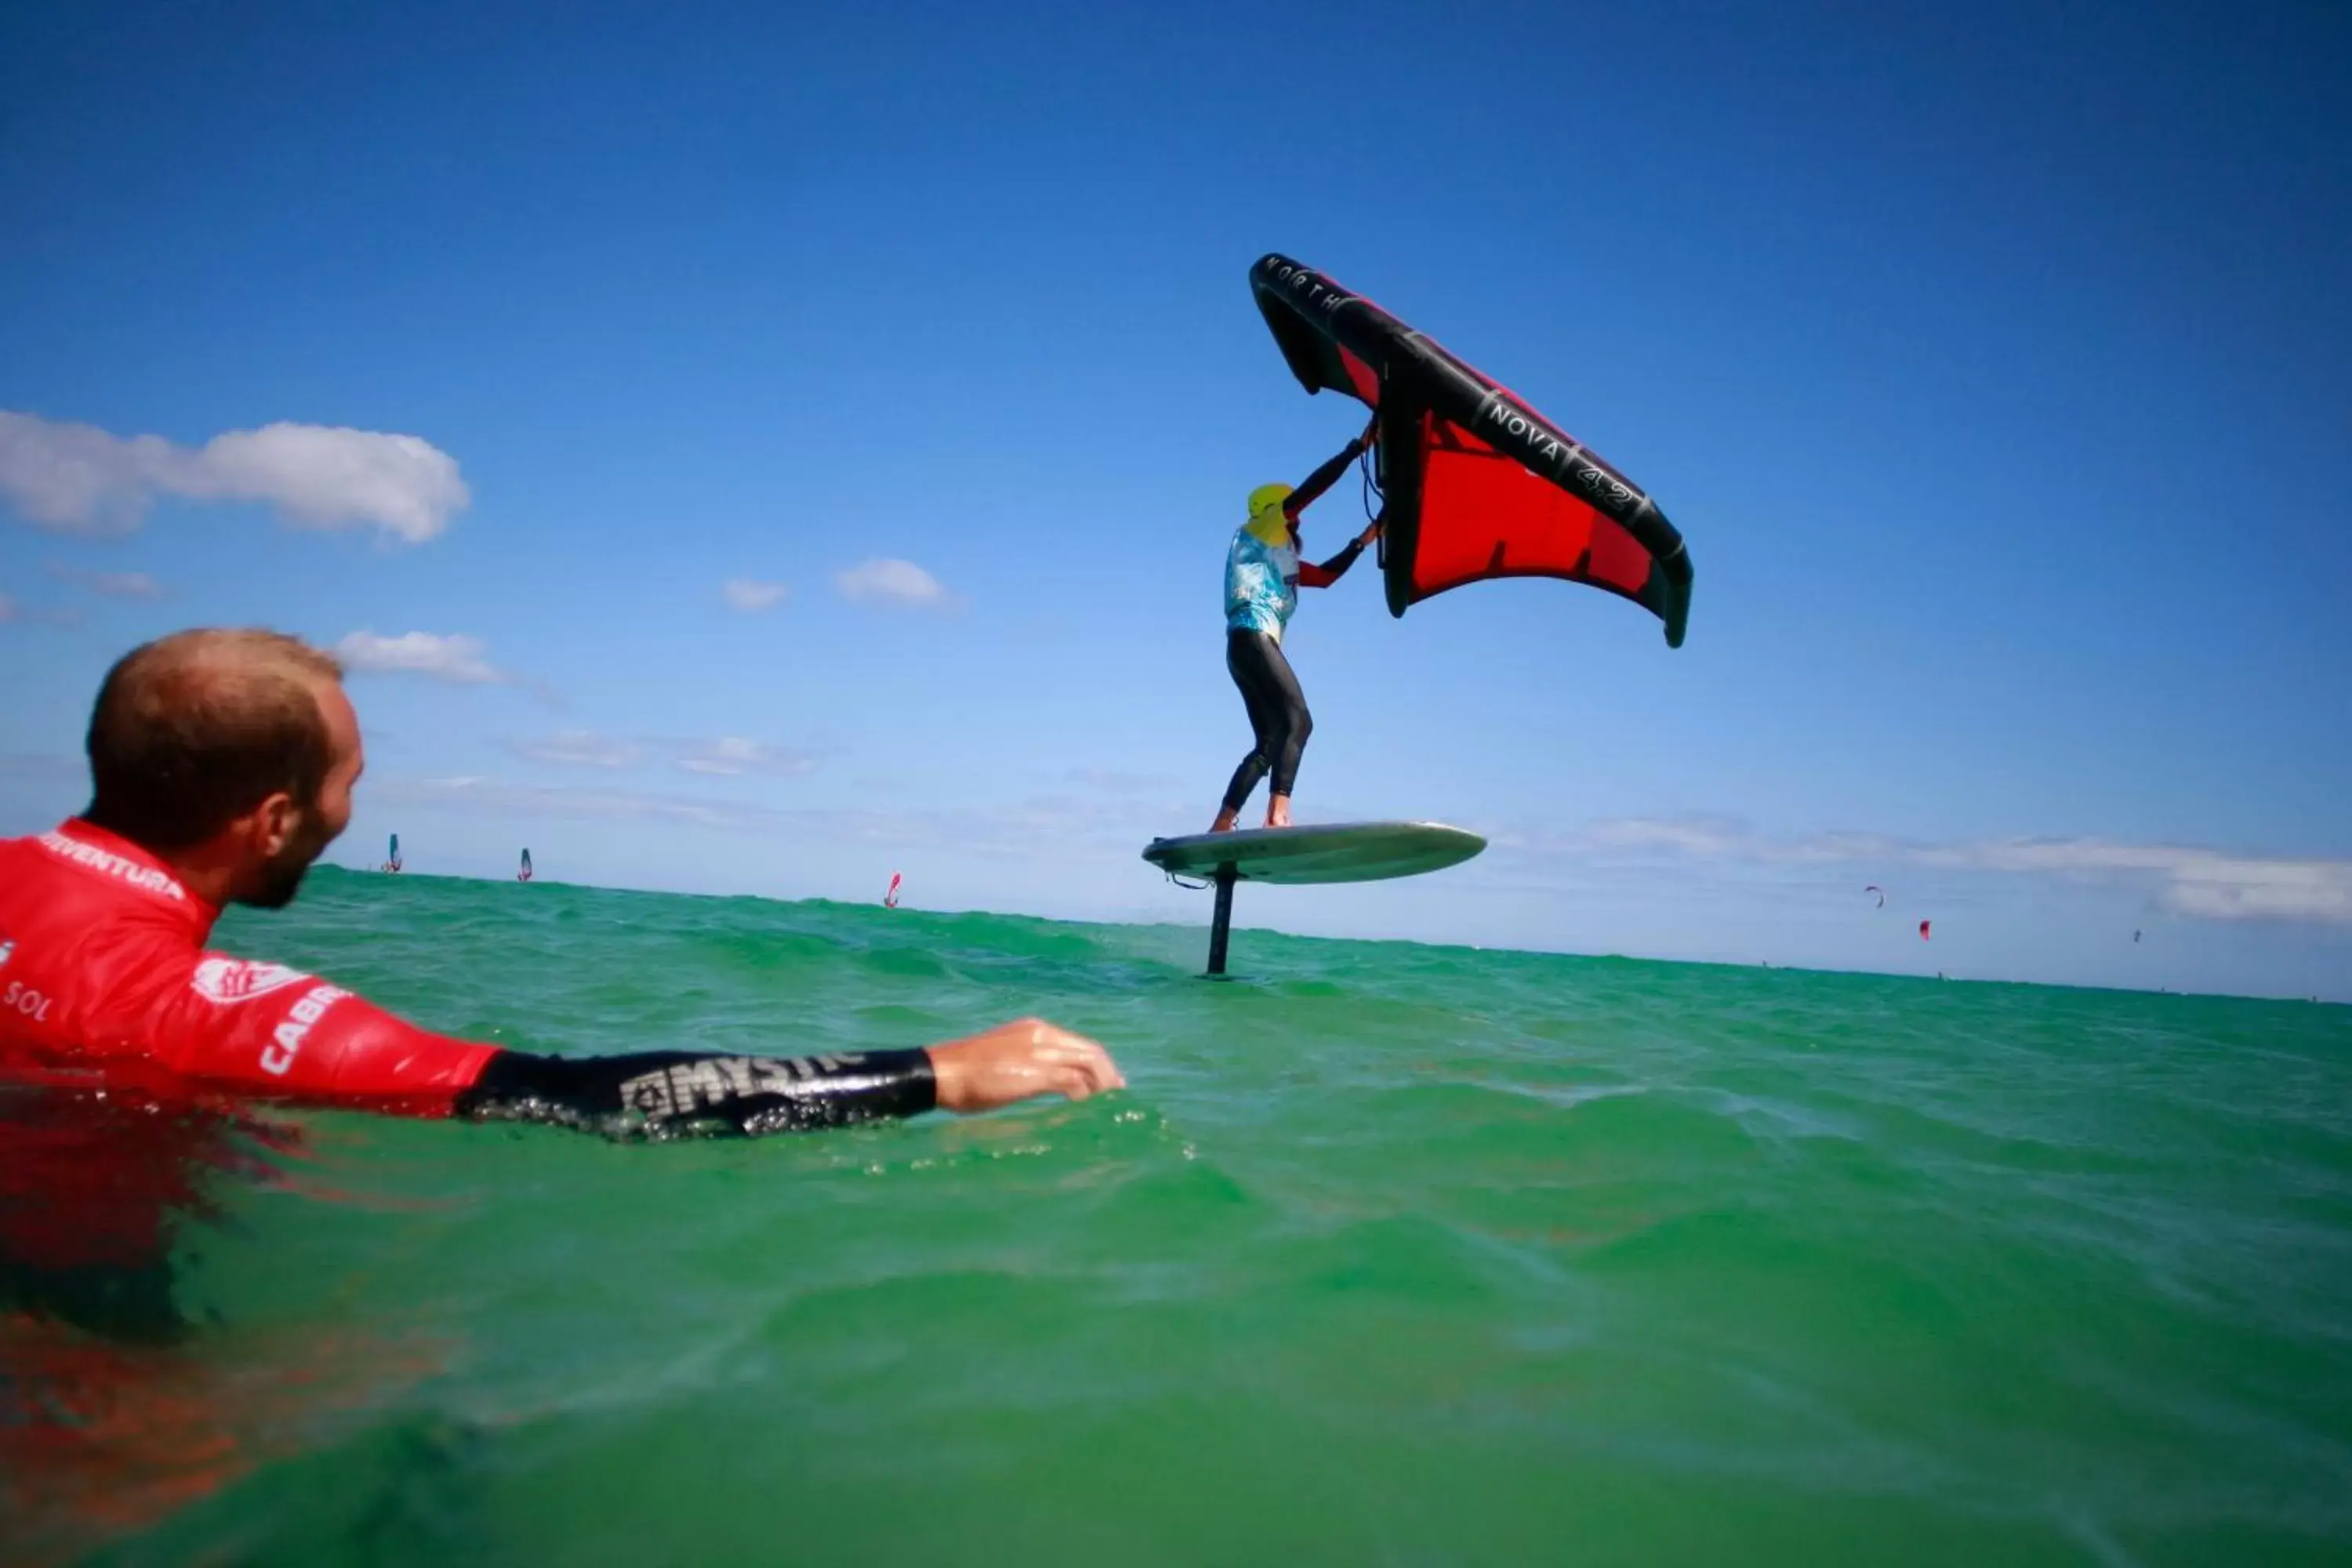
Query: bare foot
(1224, 822)
(1277, 812)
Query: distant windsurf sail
(392, 861)
(1477, 485)
(524, 875)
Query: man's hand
(1369, 535)
(1018, 1061)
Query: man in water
(1262, 576)
(222, 763)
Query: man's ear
(274, 824)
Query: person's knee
(1302, 724)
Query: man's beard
(281, 878)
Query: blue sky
(1994, 360)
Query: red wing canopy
(1478, 484)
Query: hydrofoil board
(1319, 852)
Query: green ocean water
(1390, 1254)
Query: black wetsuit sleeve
(1331, 571)
(665, 1093)
(1321, 480)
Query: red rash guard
(105, 970)
(104, 981)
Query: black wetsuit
(1278, 708)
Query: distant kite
(1874, 888)
(1923, 930)
(2135, 936)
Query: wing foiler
(1477, 484)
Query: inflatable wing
(1478, 484)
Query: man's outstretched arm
(690, 1092)
(262, 1031)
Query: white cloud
(887, 581)
(474, 792)
(117, 584)
(1722, 839)
(2211, 883)
(2187, 879)
(731, 756)
(457, 658)
(751, 596)
(580, 749)
(78, 479)
(1113, 783)
(11, 610)
(1011, 831)
(43, 765)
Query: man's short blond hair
(191, 730)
